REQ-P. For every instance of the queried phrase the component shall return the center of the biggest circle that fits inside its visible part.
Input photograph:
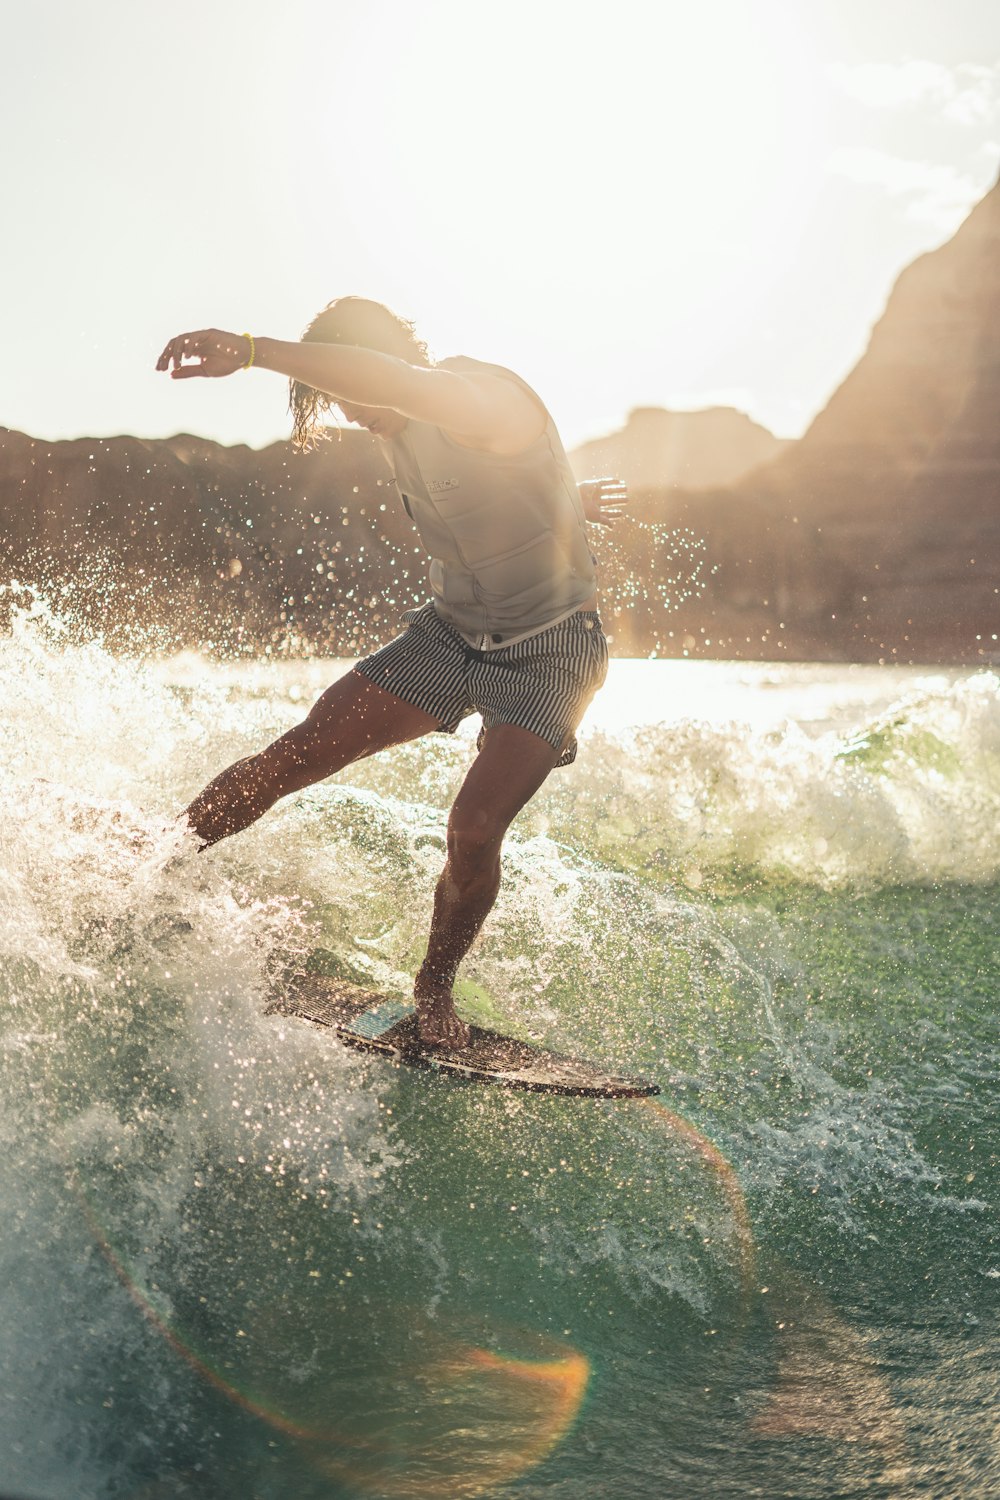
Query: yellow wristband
(253, 351)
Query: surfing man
(512, 631)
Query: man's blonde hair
(364, 324)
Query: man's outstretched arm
(482, 410)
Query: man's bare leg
(351, 720)
(508, 771)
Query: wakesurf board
(388, 1026)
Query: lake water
(240, 1261)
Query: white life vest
(506, 533)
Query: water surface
(241, 1261)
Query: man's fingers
(188, 346)
(609, 489)
(173, 351)
(184, 372)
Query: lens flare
(464, 1421)
(728, 1181)
(485, 1419)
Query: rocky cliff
(877, 535)
(694, 449)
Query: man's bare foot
(438, 1023)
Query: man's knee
(294, 760)
(475, 835)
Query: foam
(911, 795)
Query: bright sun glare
(672, 151)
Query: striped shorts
(543, 683)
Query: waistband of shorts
(588, 618)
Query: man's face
(381, 421)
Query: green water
(241, 1261)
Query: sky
(631, 204)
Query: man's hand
(603, 500)
(216, 353)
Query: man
(512, 631)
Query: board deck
(378, 1023)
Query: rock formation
(877, 535)
(694, 449)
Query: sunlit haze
(673, 205)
